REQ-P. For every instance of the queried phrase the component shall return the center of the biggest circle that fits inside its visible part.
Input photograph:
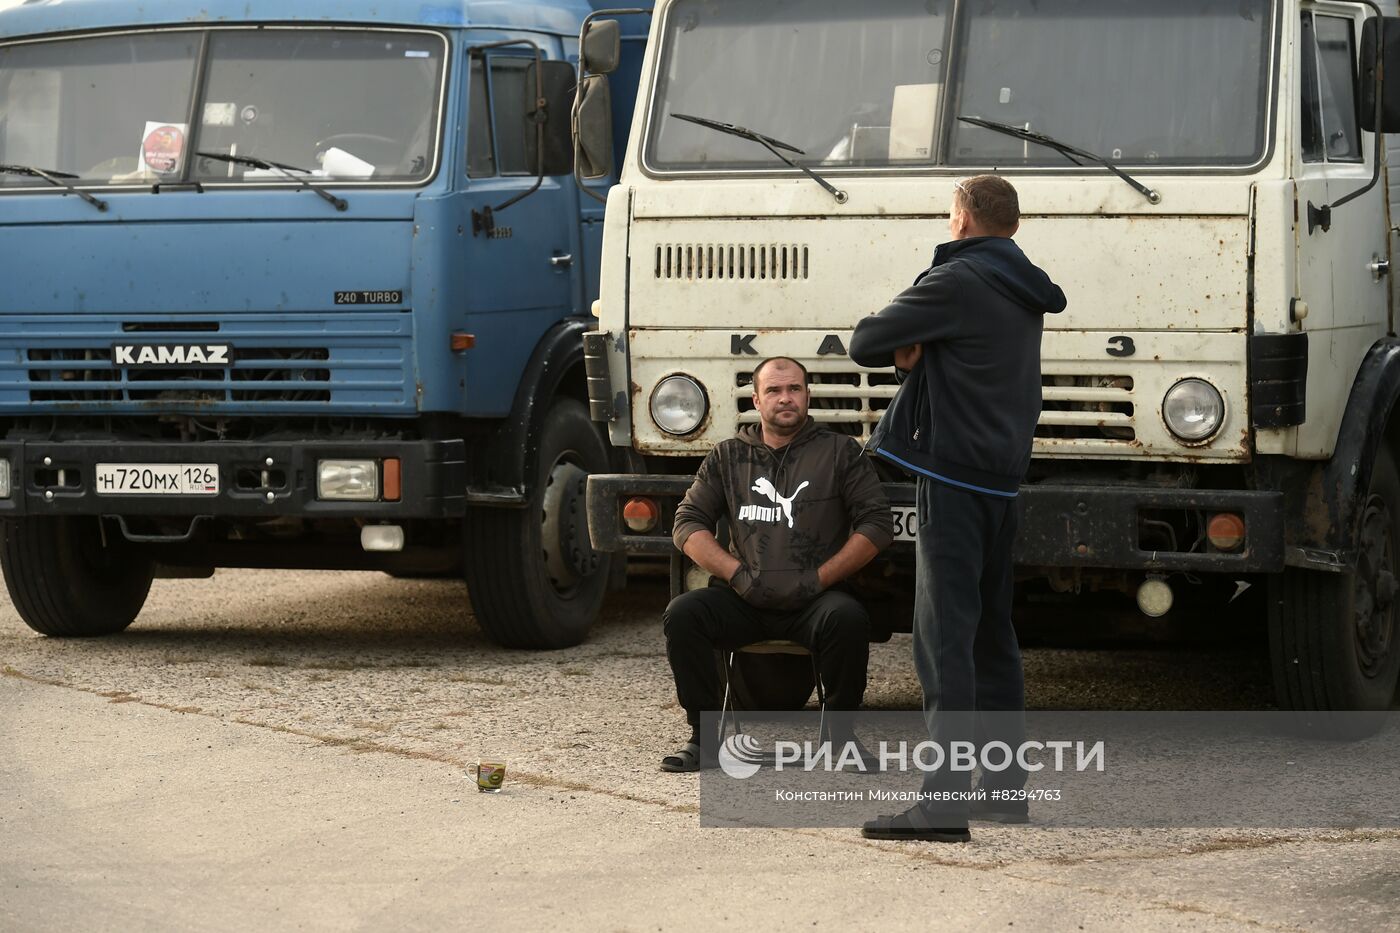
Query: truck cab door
(1339, 273)
(521, 263)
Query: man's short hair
(992, 202)
(775, 359)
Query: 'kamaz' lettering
(171, 355)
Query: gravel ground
(375, 665)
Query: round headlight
(1193, 410)
(678, 405)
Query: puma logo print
(762, 513)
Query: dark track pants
(834, 626)
(965, 648)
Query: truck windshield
(352, 105)
(880, 83)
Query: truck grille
(1074, 407)
(1085, 408)
(848, 402)
(259, 374)
(754, 262)
(289, 363)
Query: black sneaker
(999, 811)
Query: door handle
(1379, 267)
(559, 262)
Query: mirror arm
(540, 105)
(539, 174)
(1322, 216)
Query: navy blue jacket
(966, 415)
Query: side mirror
(593, 134)
(557, 80)
(1371, 58)
(601, 47)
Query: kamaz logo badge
(157, 354)
(742, 345)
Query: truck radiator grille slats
(286, 363)
(1077, 407)
(753, 262)
(272, 374)
(1096, 408)
(848, 402)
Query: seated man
(805, 511)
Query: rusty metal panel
(1123, 273)
(1275, 261)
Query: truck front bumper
(257, 479)
(1061, 526)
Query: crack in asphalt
(349, 743)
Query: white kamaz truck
(1202, 177)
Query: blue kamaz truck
(297, 286)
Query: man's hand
(854, 554)
(905, 358)
(704, 550)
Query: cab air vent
(771, 262)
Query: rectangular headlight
(4, 479)
(355, 480)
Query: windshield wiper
(769, 143)
(1065, 149)
(57, 179)
(287, 170)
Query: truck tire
(67, 581)
(1334, 638)
(771, 681)
(533, 576)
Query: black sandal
(683, 761)
(911, 825)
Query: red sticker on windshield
(162, 148)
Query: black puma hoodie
(789, 510)
(966, 417)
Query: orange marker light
(641, 515)
(1226, 531)
(461, 341)
(393, 480)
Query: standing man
(968, 335)
(805, 511)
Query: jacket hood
(1000, 262)
(752, 434)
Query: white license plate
(157, 479)
(906, 522)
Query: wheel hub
(1376, 588)
(568, 552)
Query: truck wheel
(535, 580)
(771, 681)
(1334, 637)
(69, 580)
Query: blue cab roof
(40, 17)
